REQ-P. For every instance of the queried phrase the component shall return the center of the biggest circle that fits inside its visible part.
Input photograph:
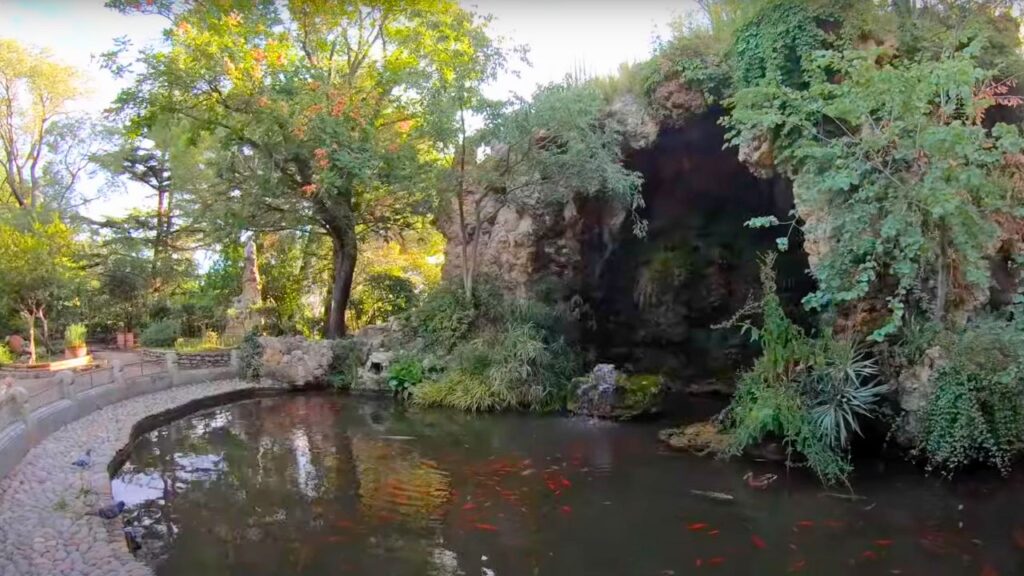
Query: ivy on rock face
(894, 171)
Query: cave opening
(654, 300)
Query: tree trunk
(31, 318)
(467, 273)
(46, 329)
(341, 287)
(340, 224)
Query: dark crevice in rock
(651, 302)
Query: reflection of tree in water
(277, 486)
(395, 484)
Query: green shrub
(161, 334)
(6, 356)
(976, 414)
(809, 392)
(841, 388)
(346, 359)
(405, 372)
(444, 317)
(381, 297)
(250, 357)
(516, 367)
(209, 341)
(74, 336)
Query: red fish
(883, 543)
(697, 526)
(805, 523)
(797, 566)
(758, 542)
(716, 561)
(486, 527)
(869, 555)
(565, 482)
(469, 506)
(713, 533)
(566, 510)
(698, 562)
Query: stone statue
(244, 314)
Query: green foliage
(346, 360)
(841, 389)
(6, 356)
(502, 353)
(893, 168)
(809, 392)
(772, 45)
(210, 340)
(36, 92)
(382, 296)
(445, 317)
(74, 335)
(976, 415)
(404, 373)
(161, 334)
(554, 145)
(250, 357)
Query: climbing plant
(895, 171)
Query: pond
(324, 484)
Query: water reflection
(329, 485)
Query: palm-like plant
(842, 387)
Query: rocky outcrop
(295, 361)
(521, 245)
(915, 388)
(359, 363)
(628, 115)
(675, 102)
(607, 393)
(699, 438)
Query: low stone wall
(31, 410)
(44, 526)
(190, 360)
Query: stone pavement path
(43, 529)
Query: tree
(167, 161)
(322, 108)
(36, 147)
(541, 150)
(37, 267)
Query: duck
(759, 482)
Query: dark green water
(320, 484)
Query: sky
(562, 35)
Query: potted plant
(74, 341)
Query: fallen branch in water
(851, 496)
(720, 496)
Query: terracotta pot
(76, 352)
(16, 344)
(120, 340)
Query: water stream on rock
(323, 484)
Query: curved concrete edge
(164, 417)
(44, 501)
(21, 436)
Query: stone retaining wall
(32, 410)
(44, 526)
(191, 360)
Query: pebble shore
(43, 526)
